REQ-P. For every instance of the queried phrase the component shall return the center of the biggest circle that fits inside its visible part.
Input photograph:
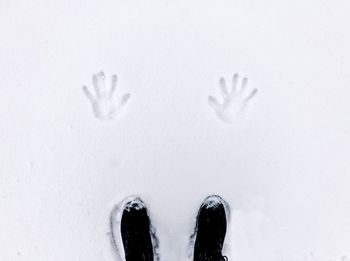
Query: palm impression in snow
(234, 100)
(103, 104)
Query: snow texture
(283, 167)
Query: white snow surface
(283, 169)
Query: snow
(283, 168)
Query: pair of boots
(134, 238)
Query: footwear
(210, 230)
(132, 234)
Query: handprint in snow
(103, 104)
(234, 99)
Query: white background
(284, 170)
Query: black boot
(210, 230)
(134, 239)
